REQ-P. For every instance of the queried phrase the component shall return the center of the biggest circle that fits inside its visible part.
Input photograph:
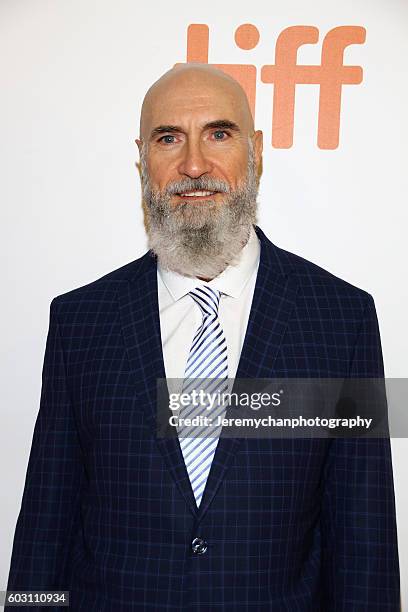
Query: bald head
(192, 88)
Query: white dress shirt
(180, 316)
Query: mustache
(203, 183)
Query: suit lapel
(138, 303)
(274, 294)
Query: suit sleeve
(49, 513)
(359, 535)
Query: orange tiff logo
(285, 74)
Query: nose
(194, 162)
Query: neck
(203, 278)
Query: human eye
(220, 134)
(167, 139)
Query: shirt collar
(231, 281)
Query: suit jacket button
(199, 546)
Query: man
(127, 520)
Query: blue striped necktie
(208, 362)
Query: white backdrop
(73, 74)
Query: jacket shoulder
(106, 287)
(324, 295)
(312, 278)
(311, 274)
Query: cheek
(157, 174)
(161, 173)
(235, 171)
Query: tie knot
(207, 299)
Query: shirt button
(199, 546)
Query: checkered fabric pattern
(285, 525)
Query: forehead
(190, 102)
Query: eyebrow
(224, 124)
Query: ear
(258, 146)
(139, 143)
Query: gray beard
(200, 239)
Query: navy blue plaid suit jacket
(292, 525)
